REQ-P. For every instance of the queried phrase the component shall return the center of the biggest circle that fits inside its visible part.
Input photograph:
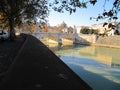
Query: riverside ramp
(38, 68)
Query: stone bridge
(75, 37)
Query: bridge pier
(60, 41)
(74, 38)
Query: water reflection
(98, 66)
(108, 56)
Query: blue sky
(81, 16)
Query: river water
(97, 66)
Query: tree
(70, 29)
(111, 14)
(45, 28)
(15, 12)
(72, 5)
(62, 26)
(88, 31)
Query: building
(118, 28)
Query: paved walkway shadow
(38, 68)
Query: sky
(81, 16)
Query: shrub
(88, 31)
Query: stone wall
(86, 38)
(111, 40)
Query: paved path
(37, 68)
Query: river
(97, 66)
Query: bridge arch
(77, 38)
(58, 36)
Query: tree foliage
(88, 31)
(72, 5)
(63, 25)
(111, 14)
(15, 12)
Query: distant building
(98, 27)
(64, 30)
(105, 29)
(118, 28)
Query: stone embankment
(110, 41)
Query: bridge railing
(77, 38)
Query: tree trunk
(12, 32)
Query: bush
(88, 31)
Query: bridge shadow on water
(66, 47)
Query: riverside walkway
(37, 68)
